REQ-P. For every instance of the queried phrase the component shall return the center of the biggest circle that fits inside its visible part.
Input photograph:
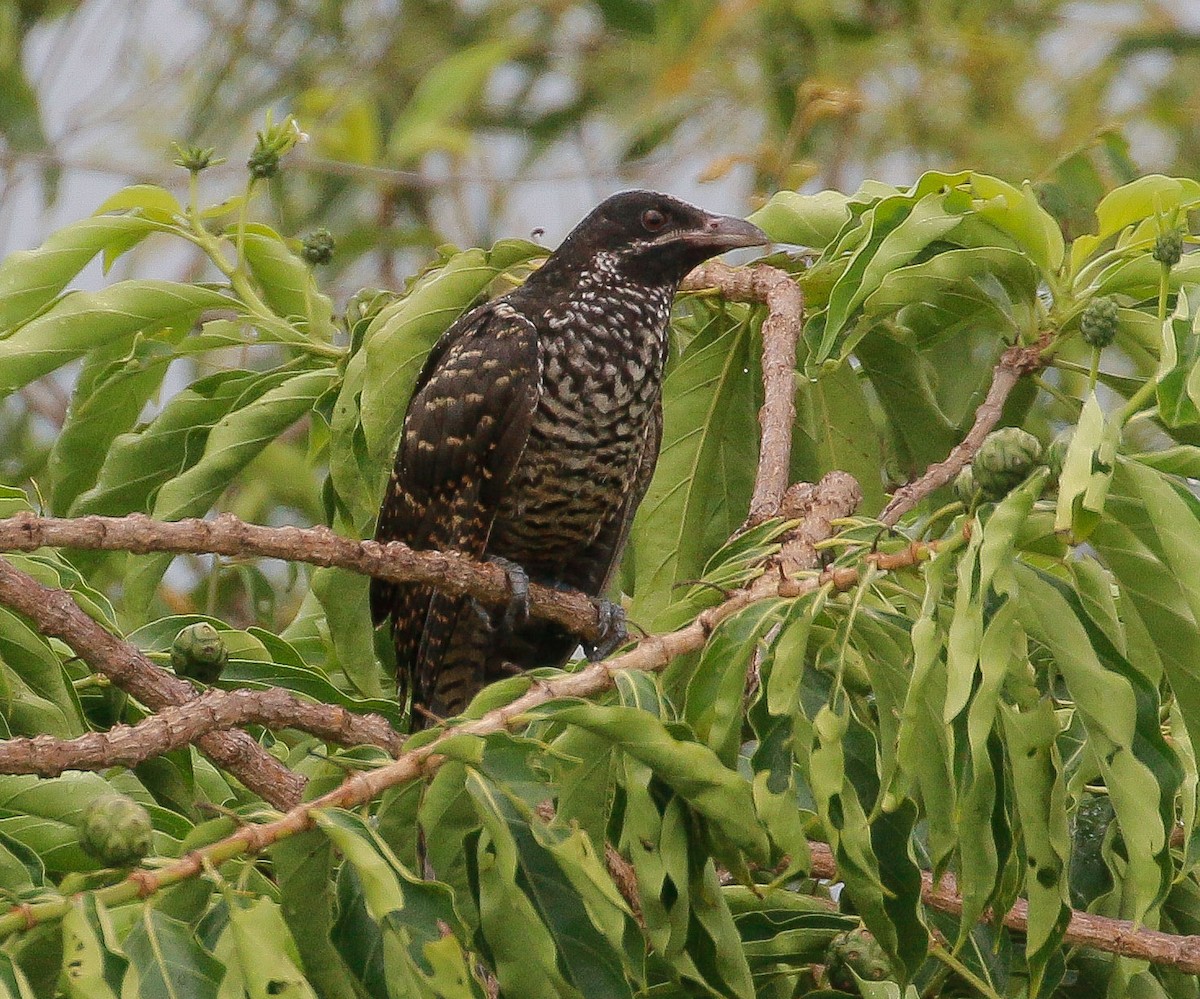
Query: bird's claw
(611, 625)
(516, 612)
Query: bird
(530, 438)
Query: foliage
(1020, 708)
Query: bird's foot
(516, 613)
(612, 629)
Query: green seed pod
(199, 653)
(317, 247)
(115, 830)
(856, 950)
(1005, 458)
(1168, 248)
(964, 486)
(1098, 324)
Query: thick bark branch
(652, 654)
(56, 614)
(1014, 362)
(780, 332)
(447, 571)
(170, 728)
(1114, 936)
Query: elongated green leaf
(287, 282)
(586, 930)
(259, 954)
(38, 697)
(91, 970)
(231, 445)
(343, 596)
(702, 484)
(30, 279)
(1142, 198)
(111, 391)
(168, 959)
(1018, 213)
(1041, 800)
(1087, 471)
(1179, 363)
(1119, 709)
(13, 984)
(138, 463)
(83, 320)
(692, 770)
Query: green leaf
(91, 968)
(701, 487)
(116, 382)
(1120, 712)
(31, 279)
(37, 696)
(231, 445)
(1087, 471)
(259, 954)
(82, 320)
(343, 597)
(287, 282)
(13, 984)
(148, 200)
(803, 219)
(692, 770)
(1144, 197)
(837, 433)
(139, 462)
(1018, 213)
(168, 959)
(586, 937)
(1178, 376)
(1041, 800)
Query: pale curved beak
(720, 233)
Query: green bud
(856, 950)
(199, 653)
(317, 247)
(1168, 248)
(116, 831)
(1005, 459)
(196, 158)
(274, 142)
(1098, 324)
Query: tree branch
(55, 613)
(780, 332)
(447, 571)
(170, 728)
(651, 654)
(1113, 936)
(1014, 362)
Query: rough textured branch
(652, 654)
(1114, 936)
(55, 613)
(780, 333)
(170, 728)
(1014, 362)
(447, 571)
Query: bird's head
(650, 237)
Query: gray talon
(516, 613)
(612, 630)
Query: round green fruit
(199, 653)
(856, 950)
(1004, 460)
(1099, 322)
(116, 831)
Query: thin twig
(170, 728)
(447, 571)
(1013, 363)
(56, 614)
(780, 333)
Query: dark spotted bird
(530, 439)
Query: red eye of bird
(653, 219)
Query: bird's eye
(653, 220)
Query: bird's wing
(466, 427)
